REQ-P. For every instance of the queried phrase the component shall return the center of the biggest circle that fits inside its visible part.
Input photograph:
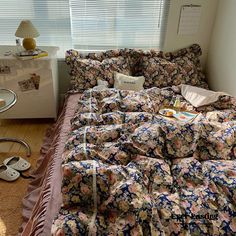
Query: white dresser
(34, 81)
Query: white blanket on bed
(198, 96)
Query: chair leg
(27, 147)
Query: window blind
(108, 24)
(88, 24)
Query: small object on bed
(177, 104)
(102, 85)
(185, 116)
(126, 82)
(2, 102)
(167, 112)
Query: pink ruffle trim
(43, 198)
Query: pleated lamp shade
(26, 30)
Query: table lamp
(27, 31)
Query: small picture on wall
(30, 84)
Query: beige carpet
(11, 194)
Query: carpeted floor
(11, 194)
(32, 131)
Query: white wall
(221, 63)
(174, 41)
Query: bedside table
(34, 81)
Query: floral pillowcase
(173, 68)
(86, 70)
(159, 69)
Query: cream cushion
(126, 82)
(102, 85)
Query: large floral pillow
(174, 68)
(86, 70)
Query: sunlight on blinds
(118, 23)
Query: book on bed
(185, 116)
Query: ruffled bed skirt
(43, 197)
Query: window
(118, 23)
(88, 24)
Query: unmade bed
(112, 165)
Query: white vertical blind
(88, 24)
(107, 24)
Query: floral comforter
(129, 171)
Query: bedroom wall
(173, 41)
(221, 63)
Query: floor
(33, 132)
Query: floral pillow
(86, 70)
(115, 64)
(174, 68)
(84, 73)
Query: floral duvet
(129, 171)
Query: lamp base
(29, 43)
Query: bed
(112, 165)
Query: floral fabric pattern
(159, 69)
(129, 171)
(86, 70)
(180, 67)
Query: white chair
(10, 99)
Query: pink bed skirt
(43, 198)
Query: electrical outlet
(5, 70)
